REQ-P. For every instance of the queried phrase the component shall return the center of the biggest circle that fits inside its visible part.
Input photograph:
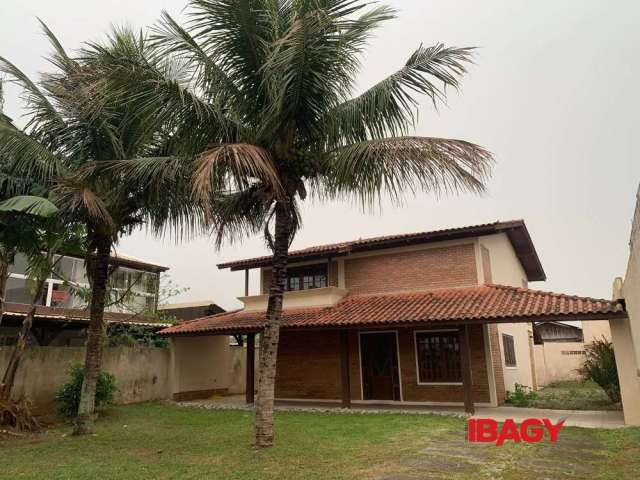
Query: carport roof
(482, 304)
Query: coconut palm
(71, 133)
(258, 98)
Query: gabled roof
(484, 304)
(516, 230)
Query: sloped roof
(516, 230)
(77, 315)
(486, 304)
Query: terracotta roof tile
(482, 303)
(515, 229)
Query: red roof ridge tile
(553, 294)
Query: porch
(574, 418)
(416, 349)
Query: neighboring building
(63, 317)
(440, 317)
(558, 351)
(191, 310)
(141, 279)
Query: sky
(552, 94)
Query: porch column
(344, 370)
(467, 380)
(250, 368)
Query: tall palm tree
(74, 129)
(257, 96)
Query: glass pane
(294, 283)
(18, 291)
(307, 282)
(19, 264)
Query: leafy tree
(75, 129)
(257, 98)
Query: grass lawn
(161, 441)
(571, 395)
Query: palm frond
(388, 108)
(234, 166)
(372, 169)
(40, 109)
(25, 156)
(78, 200)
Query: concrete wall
(558, 361)
(142, 373)
(507, 270)
(595, 330)
(207, 365)
(625, 334)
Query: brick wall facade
(309, 368)
(415, 270)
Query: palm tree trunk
(9, 377)
(271, 334)
(4, 276)
(93, 355)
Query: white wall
(507, 270)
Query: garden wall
(558, 361)
(142, 374)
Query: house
(63, 318)
(558, 351)
(191, 310)
(442, 317)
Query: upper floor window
(307, 277)
(509, 350)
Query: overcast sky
(553, 95)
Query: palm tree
(73, 131)
(257, 96)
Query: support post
(344, 370)
(467, 378)
(250, 368)
(246, 282)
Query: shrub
(600, 367)
(523, 396)
(68, 395)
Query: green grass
(573, 395)
(159, 441)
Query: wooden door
(380, 378)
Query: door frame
(373, 332)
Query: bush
(68, 395)
(600, 367)
(522, 397)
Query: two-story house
(439, 317)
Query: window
(307, 277)
(438, 357)
(509, 350)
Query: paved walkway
(574, 418)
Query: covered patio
(324, 360)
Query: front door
(380, 379)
